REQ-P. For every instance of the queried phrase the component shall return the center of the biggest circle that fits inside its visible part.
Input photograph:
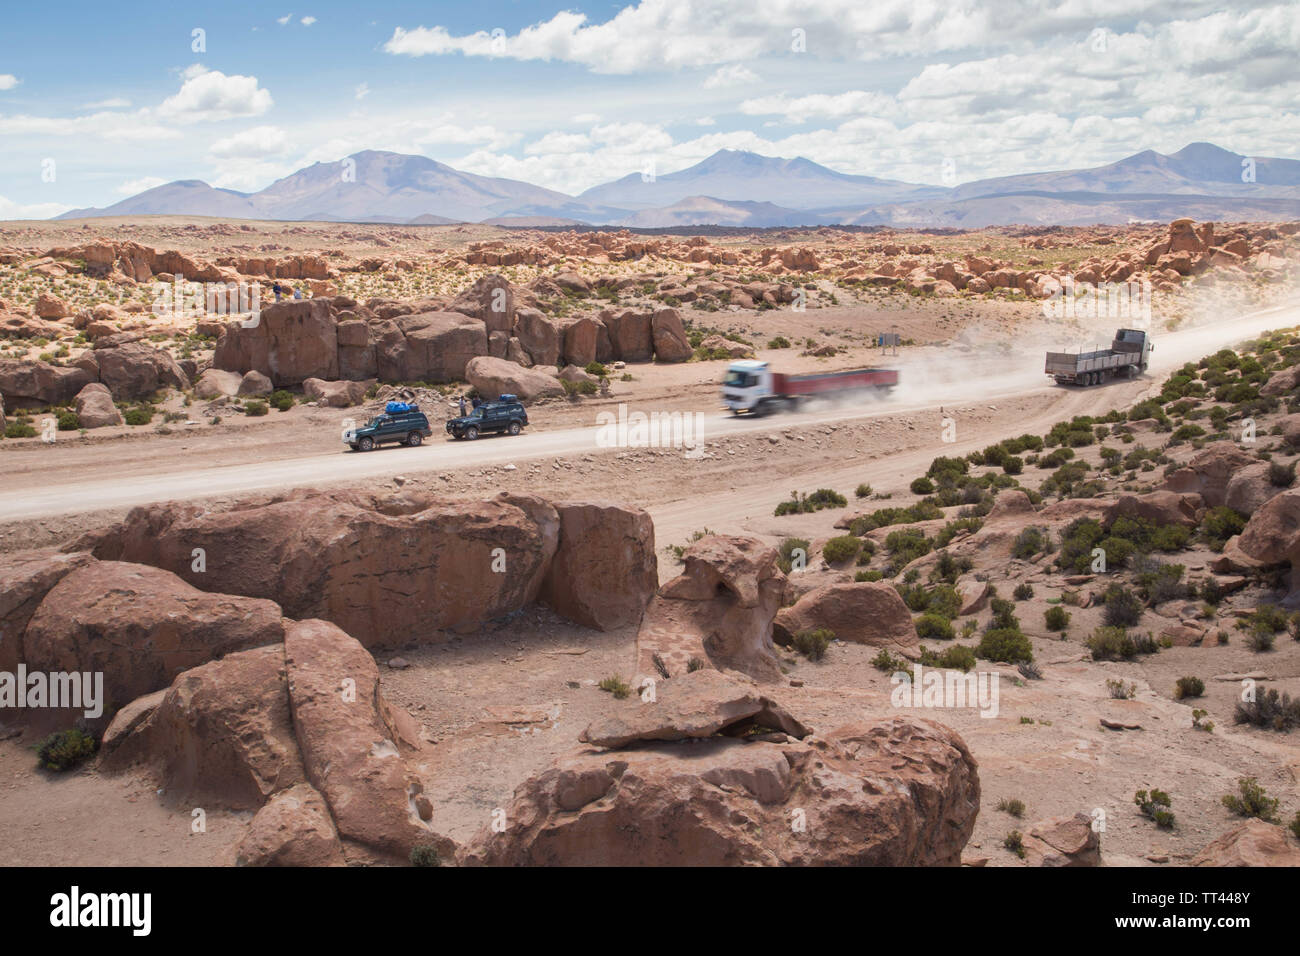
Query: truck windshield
(738, 379)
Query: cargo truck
(1128, 355)
(753, 387)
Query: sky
(100, 101)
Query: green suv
(504, 415)
(406, 427)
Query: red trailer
(753, 387)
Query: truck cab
(746, 385)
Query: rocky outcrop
(604, 571)
(868, 612)
(669, 336)
(95, 408)
(25, 578)
(1209, 471)
(1160, 508)
(1063, 841)
(140, 626)
(289, 342)
(334, 394)
(718, 612)
(293, 828)
(135, 370)
(896, 793)
(493, 377)
(25, 384)
(1254, 843)
(426, 347)
(1272, 535)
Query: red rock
(95, 408)
(294, 828)
(867, 612)
(25, 578)
(604, 572)
(1063, 841)
(492, 377)
(290, 342)
(1254, 843)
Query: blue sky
(568, 97)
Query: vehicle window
(738, 379)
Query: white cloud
(585, 119)
(259, 141)
(115, 103)
(284, 20)
(362, 91)
(40, 210)
(8, 81)
(133, 186)
(307, 21)
(212, 95)
(734, 74)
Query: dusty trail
(995, 374)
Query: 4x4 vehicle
(503, 415)
(405, 424)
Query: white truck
(1128, 355)
(752, 386)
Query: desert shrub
(863, 490)
(1015, 842)
(1014, 807)
(812, 643)
(887, 662)
(281, 400)
(953, 528)
(1006, 645)
(948, 568)
(861, 576)
(1023, 592)
(138, 415)
(1078, 538)
(807, 503)
(1123, 607)
(785, 554)
(944, 601)
(1269, 617)
(1029, 542)
(957, 657)
(1170, 537)
(1057, 618)
(841, 549)
(906, 545)
(1220, 524)
(64, 749)
(1116, 644)
(955, 467)
(1155, 806)
(1161, 582)
(932, 626)
(67, 421)
(1029, 670)
(1004, 614)
(597, 369)
(1188, 687)
(255, 408)
(425, 854)
(616, 685)
(1121, 690)
(1250, 800)
(1280, 475)
(922, 486)
(1013, 465)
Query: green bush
(138, 415)
(922, 486)
(1023, 592)
(1269, 709)
(906, 545)
(281, 400)
(1058, 618)
(65, 749)
(813, 643)
(597, 369)
(1078, 538)
(1189, 687)
(1029, 542)
(1250, 800)
(425, 854)
(1006, 645)
(863, 490)
(68, 421)
(931, 626)
(958, 657)
(1155, 806)
(1116, 644)
(1220, 524)
(785, 553)
(255, 408)
(841, 549)
(1123, 607)
(616, 685)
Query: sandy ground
(504, 702)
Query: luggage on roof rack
(506, 397)
(401, 408)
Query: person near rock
(276, 289)
(477, 401)
(297, 293)
(463, 407)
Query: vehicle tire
(514, 428)
(414, 439)
(471, 433)
(366, 444)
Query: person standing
(463, 407)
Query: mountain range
(739, 188)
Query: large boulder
(1250, 488)
(427, 347)
(95, 408)
(669, 335)
(294, 828)
(1282, 381)
(25, 578)
(387, 573)
(221, 733)
(25, 384)
(586, 340)
(334, 394)
(136, 370)
(214, 383)
(492, 377)
(719, 611)
(538, 336)
(289, 343)
(1063, 841)
(1160, 508)
(492, 299)
(604, 572)
(1272, 535)
(1209, 471)
(353, 742)
(867, 612)
(141, 627)
(695, 705)
(1254, 843)
(630, 334)
(901, 792)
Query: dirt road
(994, 375)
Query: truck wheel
(472, 432)
(414, 439)
(366, 444)
(514, 428)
